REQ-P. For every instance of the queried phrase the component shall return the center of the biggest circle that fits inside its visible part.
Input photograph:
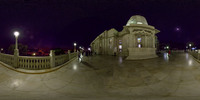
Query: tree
(22, 49)
(59, 51)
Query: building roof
(137, 19)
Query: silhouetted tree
(59, 51)
(22, 49)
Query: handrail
(36, 62)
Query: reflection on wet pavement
(108, 77)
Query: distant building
(137, 40)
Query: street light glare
(74, 44)
(16, 34)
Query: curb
(45, 71)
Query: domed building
(137, 40)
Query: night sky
(59, 23)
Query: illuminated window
(139, 40)
(139, 23)
(139, 45)
(120, 41)
(120, 46)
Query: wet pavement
(108, 78)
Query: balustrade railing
(61, 59)
(6, 58)
(26, 62)
(72, 55)
(195, 54)
(34, 62)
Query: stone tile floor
(108, 78)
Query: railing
(72, 55)
(6, 58)
(61, 59)
(195, 54)
(36, 63)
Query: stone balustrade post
(52, 58)
(16, 55)
(69, 54)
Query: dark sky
(59, 23)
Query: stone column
(16, 55)
(133, 40)
(150, 40)
(145, 39)
(153, 37)
(52, 58)
(69, 54)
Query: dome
(137, 19)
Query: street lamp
(190, 45)
(16, 34)
(1, 50)
(75, 47)
(167, 47)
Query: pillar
(52, 58)
(153, 37)
(145, 39)
(132, 40)
(69, 54)
(16, 55)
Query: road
(108, 78)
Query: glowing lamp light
(190, 45)
(139, 45)
(120, 46)
(34, 54)
(89, 49)
(75, 44)
(16, 33)
(177, 29)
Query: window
(120, 46)
(139, 40)
(139, 23)
(120, 41)
(139, 45)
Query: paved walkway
(108, 78)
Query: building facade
(137, 40)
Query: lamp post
(190, 45)
(75, 47)
(16, 51)
(167, 47)
(1, 50)
(16, 34)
